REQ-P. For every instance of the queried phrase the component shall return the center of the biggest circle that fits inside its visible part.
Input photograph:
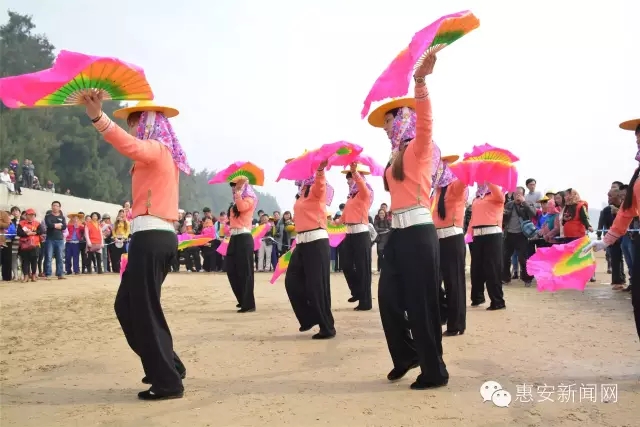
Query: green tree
(63, 145)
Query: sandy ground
(64, 361)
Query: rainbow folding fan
(394, 81)
(71, 77)
(488, 164)
(562, 266)
(305, 165)
(192, 243)
(253, 173)
(283, 264)
(258, 232)
(337, 233)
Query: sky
(263, 80)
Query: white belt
(150, 222)
(311, 236)
(411, 217)
(243, 230)
(357, 228)
(494, 229)
(443, 233)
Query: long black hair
(442, 210)
(628, 199)
(233, 207)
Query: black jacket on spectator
(51, 220)
(605, 221)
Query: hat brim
(631, 125)
(376, 118)
(546, 199)
(450, 159)
(361, 172)
(168, 112)
(235, 179)
(289, 160)
(72, 214)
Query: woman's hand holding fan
(425, 68)
(93, 104)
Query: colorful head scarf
(403, 128)
(247, 191)
(482, 190)
(571, 197)
(353, 190)
(442, 176)
(156, 126)
(302, 183)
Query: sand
(65, 362)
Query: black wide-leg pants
(410, 282)
(239, 263)
(486, 268)
(307, 282)
(453, 252)
(139, 310)
(356, 266)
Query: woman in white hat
(158, 159)
(410, 278)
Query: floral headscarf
(353, 190)
(442, 175)
(551, 207)
(482, 190)
(302, 183)
(247, 191)
(571, 197)
(154, 125)
(403, 130)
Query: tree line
(63, 145)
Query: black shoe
(396, 373)
(238, 306)
(323, 335)
(305, 328)
(627, 289)
(149, 395)
(496, 307)
(477, 303)
(183, 375)
(352, 299)
(515, 276)
(417, 385)
(452, 333)
(247, 310)
(358, 308)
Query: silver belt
(243, 230)
(410, 217)
(494, 229)
(445, 232)
(73, 241)
(357, 228)
(311, 236)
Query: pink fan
(305, 166)
(124, 260)
(488, 164)
(562, 266)
(394, 81)
(72, 75)
(375, 168)
(254, 175)
(258, 233)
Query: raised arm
(319, 187)
(145, 151)
(423, 143)
(361, 185)
(497, 194)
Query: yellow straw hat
(293, 158)
(630, 124)
(450, 158)
(360, 169)
(168, 112)
(544, 199)
(376, 118)
(74, 214)
(550, 192)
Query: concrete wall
(41, 202)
